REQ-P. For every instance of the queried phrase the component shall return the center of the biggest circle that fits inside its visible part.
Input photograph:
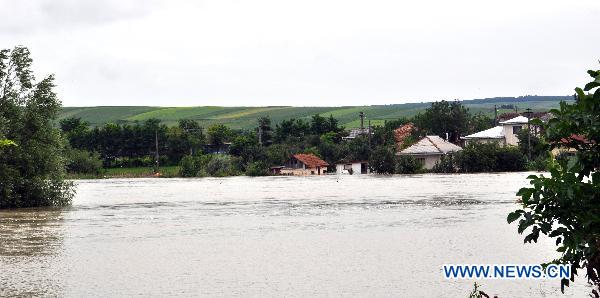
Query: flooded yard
(272, 236)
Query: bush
(489, 157)
(477, 157)
(220, 166)
(406, 164)
(256, 169)
(189, 166)
(382, 160)
(510, 159)
(445, 165)
(83, 162)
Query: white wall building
(353, 167)
(504, 134)
(429, 150)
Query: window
(348, 167)
(516, 129)
(421, 160)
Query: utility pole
(156, 156)
(528, 113)
(260, 134)
(495, 115)
(369, 132)
(362, 120)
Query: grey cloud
(23, 17)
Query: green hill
(245, 117)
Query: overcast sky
(235, 52)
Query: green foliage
(219, 134)
(444, 117)
(220, 165)
(190, 166)
(382, 160)
(445, 165)
(257, 169)
(539, 146)
(406, 164)
(489, 157)
(566, 204)
(32, 173)
(6, 143)
(83, 162)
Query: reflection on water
(271, 236)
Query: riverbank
(136, 172)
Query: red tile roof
(402, 132)
(574, 137)
(310, 160)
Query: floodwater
(273, 236)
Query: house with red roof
(304, 165)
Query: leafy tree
(257, 169)
(190, 166)
(220, 165)
(382, 160)
(479, 122)
(406, 164)
(445, 165)
(264, 131)
(359, 148)
(83, 162)
(539, 146)
(445, 117)
(218, 134)
(32, 173)
(291, 128)
(192, 135)
(566, 204)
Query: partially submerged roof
(430, 145)
(310, 160)
(492, 133)
(516, 120)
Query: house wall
(428, 161)
(500, 142)
(510, 137)
(356, 168)
(302, 171)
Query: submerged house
(304, 165)
(429, 150)
(352, 167)
(504, 134)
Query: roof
(355, 132)
(310, 160)
(492, 133)
(430, 145)
(575, 138)
(402, 132)
(516, 120)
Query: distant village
(445, 138)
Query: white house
(504, 134)
(352, 167)
(429, 150)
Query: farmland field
(245, 117)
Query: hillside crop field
(245, 117)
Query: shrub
(257, 169)
(445, 165)
(510, 159)
(83, 162)
(189, 166)
(406, 164)
(220, 166)
(382, 160)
